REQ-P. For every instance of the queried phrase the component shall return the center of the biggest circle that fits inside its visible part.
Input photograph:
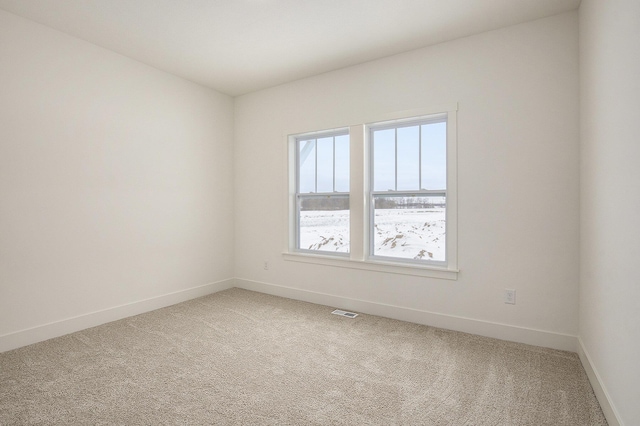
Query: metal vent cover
(344, 313)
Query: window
(322, 193)
(409, 190)
(379, 196)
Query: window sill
(377, 266)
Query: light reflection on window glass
(384, 153)
(307, 158)
(408, 158)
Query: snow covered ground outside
(325, 230)
(417, 233)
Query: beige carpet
(239, 357)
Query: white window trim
(359, 201)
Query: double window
(378, 194)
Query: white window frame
(397, 124)
(306, 195)
(360, 201)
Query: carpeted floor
(244, 358)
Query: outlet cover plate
(509, 296)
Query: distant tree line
(409, 202)
(324, 203)
(342, 203)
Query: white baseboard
(609, 410)
(511, 333)
(58, 328)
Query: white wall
(115, 180)
(610, 198)
(518, 184)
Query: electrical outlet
(265, 266)
(510, 296)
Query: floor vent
(344, 313)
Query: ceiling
(239, 46)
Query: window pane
(434, 156)
(384, 160)
(342, 163)
(408, 158)
(410, 227)
(324, 223)
(325, 164)
(307, 158)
